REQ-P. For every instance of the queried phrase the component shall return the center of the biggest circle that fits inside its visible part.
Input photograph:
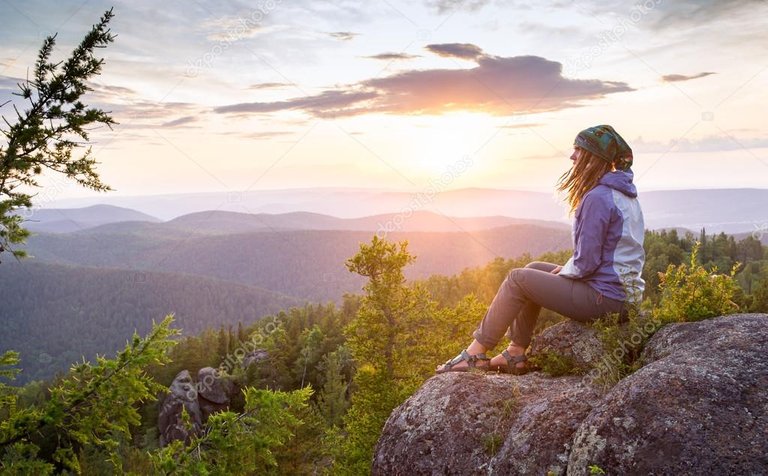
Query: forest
(333, 372)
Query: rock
(698, 406)
(570, 339)
(213, 392)
(470, 423)
(182, 394)
(254, 356)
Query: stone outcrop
(699, 405)
(470, 423)
(210, 394)
(182, 395)
(254, 356)
(574, 341)
(213, 393)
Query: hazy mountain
(65, 220)
(729, 210)
(55, 314)
(346, 202)
(218, 222)
(306, 264)
(760, 234)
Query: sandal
(511, 366)
(471, 360)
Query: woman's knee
(541, 266)
(515, 275)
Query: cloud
(269, 85)
(343, 35)
(496, 85)
(266, 134)
(393, 56)
(713, 143)
(326, 104)
(445, 6)
(257, 135)
(672, 78)
(673, 14)
(521, 126)
(10, 82)
(456, 50)
(232, 28)
(182, 121)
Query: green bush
(692, 293)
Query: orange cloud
(496, 85)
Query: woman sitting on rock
(602, 276)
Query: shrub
(692, 293)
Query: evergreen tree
(45, 136)
(332, 401)
(223, 343)
(92, 408)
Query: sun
(437, 145)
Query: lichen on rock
(698, 405)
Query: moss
(492, 443)
(556, 365)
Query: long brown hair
(582, 176)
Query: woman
(602, 276)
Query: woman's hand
(556, 270)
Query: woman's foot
(464, 362)
(514, 362)
(472, 357)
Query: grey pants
(526, 290)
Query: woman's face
(575, 155)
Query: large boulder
(699, 405)
(576, 342)
(254, 356)
(182, 395)
(470, 423)
(213, 392)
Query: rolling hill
(729, 210)
(304, 264)
(54, 315)
(66, 220)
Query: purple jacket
(608, 239)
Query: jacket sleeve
(589, 235)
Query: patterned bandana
(604, 142)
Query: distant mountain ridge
(67, 220)
(109, 219)
(305, 264)
(728, 210)
(223, 222)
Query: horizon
(96, 199)
(691, 209)
(314, 94)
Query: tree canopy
(46, 135)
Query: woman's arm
(590, 231)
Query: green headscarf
(604, 142)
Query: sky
(408, 95)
